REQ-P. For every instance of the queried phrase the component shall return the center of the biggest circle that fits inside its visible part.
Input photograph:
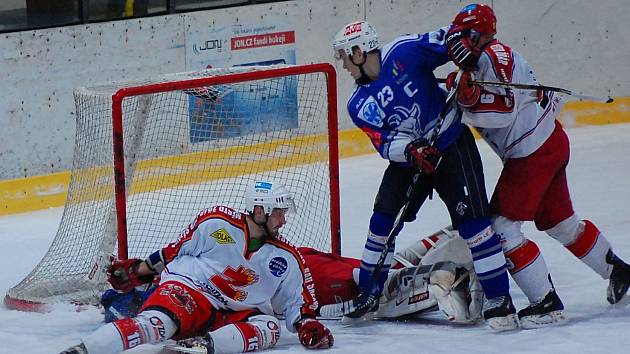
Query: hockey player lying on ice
(433, 273)
(221, 281)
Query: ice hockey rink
(599, 178)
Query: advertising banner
(229, 111)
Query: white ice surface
(599, 178)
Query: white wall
(578, 44)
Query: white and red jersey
(495, 116)
(212, 256)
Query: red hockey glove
(314, 335)
(467, 94)
(122, 275)
(422, 156)
(461, 49)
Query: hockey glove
(314, 335)
(122, 275)
(461, 50)
(422, 156)
(119, 305)
(467, 94)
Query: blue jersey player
(396, 103)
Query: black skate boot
(500, 313)
(360, 309)
(202, 345)
(619, 281)
(544, 312)
(77, 349)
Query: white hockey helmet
(356, 34)
(269, 195)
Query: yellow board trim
(595, 113)
(46, 191)
(33, 193)
(222, 158)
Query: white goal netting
(185, 150)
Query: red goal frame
(119, 149)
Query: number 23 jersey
(404, 102)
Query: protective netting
(185, 150)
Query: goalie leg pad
(475, 291)
(406, 293)
(449, 249)
(412, 255)
(449, 288)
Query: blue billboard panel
(228, 111)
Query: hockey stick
(359, 312)
(538, 87)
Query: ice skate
(203, 345)
(619, 281)
(77, 349)
(500, 313)
(360, 309)
(545, 312)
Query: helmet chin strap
(363, 79)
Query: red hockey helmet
(478, 17)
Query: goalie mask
(269, 195)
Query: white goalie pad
(439, 271)
(476, 297)
(443, 246)
(444, 286)
(456, 291)
(406, 292)
(438, 274)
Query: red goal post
(117, 114)
(183, 142)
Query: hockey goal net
(181, 143)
